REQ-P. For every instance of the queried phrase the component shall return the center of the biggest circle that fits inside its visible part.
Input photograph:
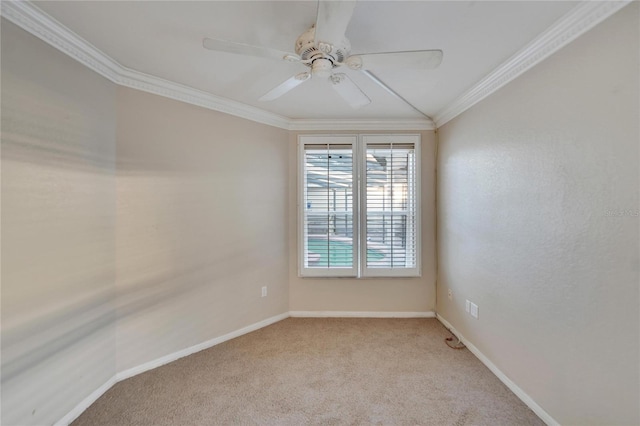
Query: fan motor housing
(306, 48)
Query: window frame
(370, 139)
(326, 140)
(359, 143)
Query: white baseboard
(85, 403)
(360, 314)
(544, 416)
(197, 348)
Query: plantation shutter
(329, 242)
(390, 216)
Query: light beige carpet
(319, 371)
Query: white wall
(58, 230)
(371, 294)
(201, 227)
(528, 181)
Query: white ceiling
(164, 39)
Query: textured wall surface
(538, 225)
(201, 227)
(371, 294)
(58, 231)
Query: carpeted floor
(319, 371)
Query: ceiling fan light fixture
(321, 68)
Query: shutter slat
(391, 206)
(328, 206)
(366, 228)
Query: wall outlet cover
(474, 310)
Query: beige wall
(202, 212)
(177, 243)
(538, 225)
(201, 227)
(58, 230)
(372, 294)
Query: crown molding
(576, 22)
(350, 124)
(169, 89)
(35, 21)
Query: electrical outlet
(264, 291)
(467, 306)
(450, 295)
(474, 310)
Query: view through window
(359, 205)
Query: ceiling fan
(324, 48)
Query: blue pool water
(336, 253)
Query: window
(359, 206)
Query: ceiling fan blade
(382, 84)
(285, 86)
(247, 49)
(349, 91)
(416, 59)
(332, 20)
